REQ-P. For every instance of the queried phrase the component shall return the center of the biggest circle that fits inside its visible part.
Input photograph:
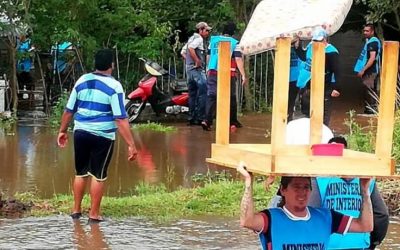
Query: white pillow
(288, 18)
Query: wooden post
(317, 92)
(280, 95)
(384, 134)
(223, 93)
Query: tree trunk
(13, 78)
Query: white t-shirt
(298, 132)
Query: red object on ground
(332, 149)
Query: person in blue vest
(196, 73)
(344, 195)
(296, 225)
(331, 74)
(24, 64)
(293, 75)
(367, 68)
(236, 63)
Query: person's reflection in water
(93, 239)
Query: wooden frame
(278, 158)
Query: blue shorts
(92, 154)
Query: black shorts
(92, 154)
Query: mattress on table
(288, 18)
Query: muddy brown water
(30, 160)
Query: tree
(15, 19)
(383, 12)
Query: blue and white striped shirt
(97, 100)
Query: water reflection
(91, 239)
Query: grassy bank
(154, 202)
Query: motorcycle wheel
(134, 108)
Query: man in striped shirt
(96, 103)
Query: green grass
(153, 126)
(220, 198)
(360, 138)
(363, 138)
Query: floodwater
(30, 160)
(201, 233)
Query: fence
(255, 97)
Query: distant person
(196, 73)
(25, 64)
(295, 225)
(367, 68)
(344, 195)
(97, 105)
(331, 74)
(293, 75)
(236, 63)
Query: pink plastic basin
(332, 149)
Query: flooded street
(33, 233)
(31, 161)
(203, 233)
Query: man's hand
(360, 74)
(335, 93)
(296, 41)
(244, 80)
(269, 181)
(132, 153)
(197, 64)
(62, 139)
(241, 168)
(365, 183)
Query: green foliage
(385, 12)
(396, 138)
(146, 189)
(359, 138)
(7, 121)
(211, 176)
(58, 110)
(17, 16)
(154, 126)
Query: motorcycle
(173, 103)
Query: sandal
(95, 220)
(76, 216)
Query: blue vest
(305, 67)
(294, 65)
(363, 58)
(344, 197)
(214, 42)
(289, 234)
(24, 64)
